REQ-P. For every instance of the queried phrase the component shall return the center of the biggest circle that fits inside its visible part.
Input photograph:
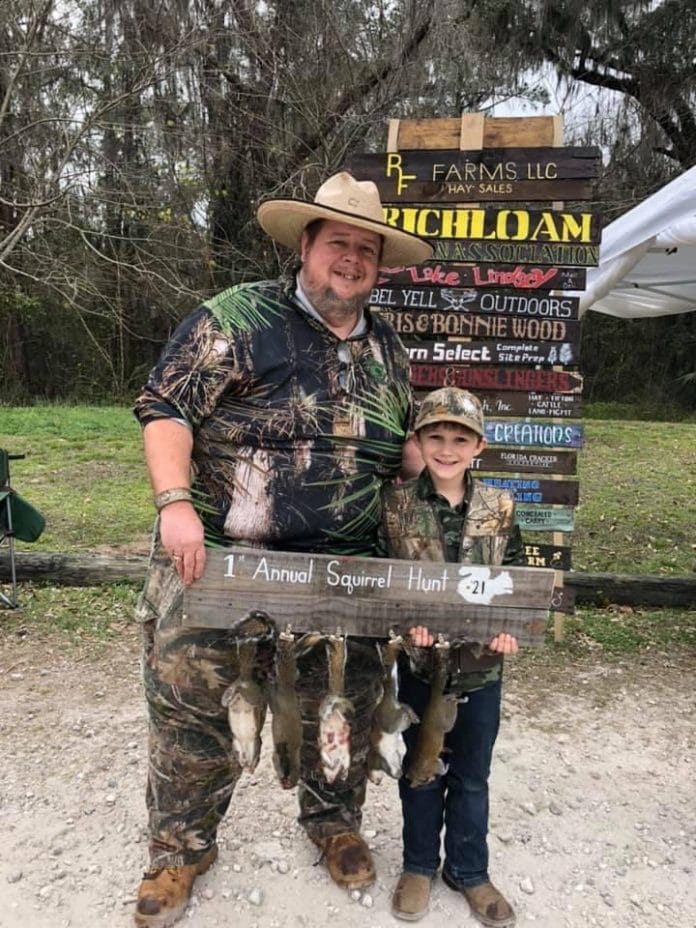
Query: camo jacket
(294, 431)
(417, 524)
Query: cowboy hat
(343, 199)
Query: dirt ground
(593, 817)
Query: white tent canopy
(647, 264)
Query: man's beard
(332, 307)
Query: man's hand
(420, 636)
(181, 531)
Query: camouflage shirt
(420, 524)
(294, 431)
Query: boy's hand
(420, 636)
(504, 644)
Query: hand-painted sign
(534, 434)
(517, 253)
(556, 557)
(465, 223)
(488, 352)
(513, 461)
(495, 378)
(556, 405)
(368, 596)
(467, 300)
(532, 490)
(486, 174)
(514, 276)
(535, 405)
(463, 325)
(544, 518)
(563, 599)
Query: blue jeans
(459, 798)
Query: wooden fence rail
(590, 589)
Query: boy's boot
(486, 902)
(165, 891)
(411, 897)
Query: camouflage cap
(450, 404)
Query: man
(274, 415)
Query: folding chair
(18, 519)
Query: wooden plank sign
(470, 325)
(533, 434)
(556, 405)
(471, 223)
(539, 306)
(495, 378)
(492, 352)
(517, 253)
(563, 599)
(539, 405)
(487, 174)
(513, 276)
(513, 461)
(531, 490)
(495, 132)
(545, 518)
(557, 557)
(369, 596)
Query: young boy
(446, 515)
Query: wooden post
(486, 341)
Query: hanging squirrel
(439, 718)
(391, 718)
(245, 701)
(335, 715)
(286, 721)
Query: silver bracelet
(175, 495)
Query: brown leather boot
(411, 897)
(165, 891)
(348, 860)
(486, 902)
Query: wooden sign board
(472, 223)
(495, 378)
(532, 490)
(517, 253)
(513, 461)
(493, 132)
(513, 276)
(565, 354)
(563, 599)
(489, 174)
(369, 596)
(555, 405)
(556, 557)
(535, 405)
(466, 325)
(533, 434)
(541, 307)
(544, 518)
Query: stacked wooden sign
(491, 313)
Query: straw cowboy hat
(343, 199)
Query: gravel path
(592, 821)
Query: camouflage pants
(192, 770)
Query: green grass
(84, 471)
(620, 630)
(75, 614)
(637, 499)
